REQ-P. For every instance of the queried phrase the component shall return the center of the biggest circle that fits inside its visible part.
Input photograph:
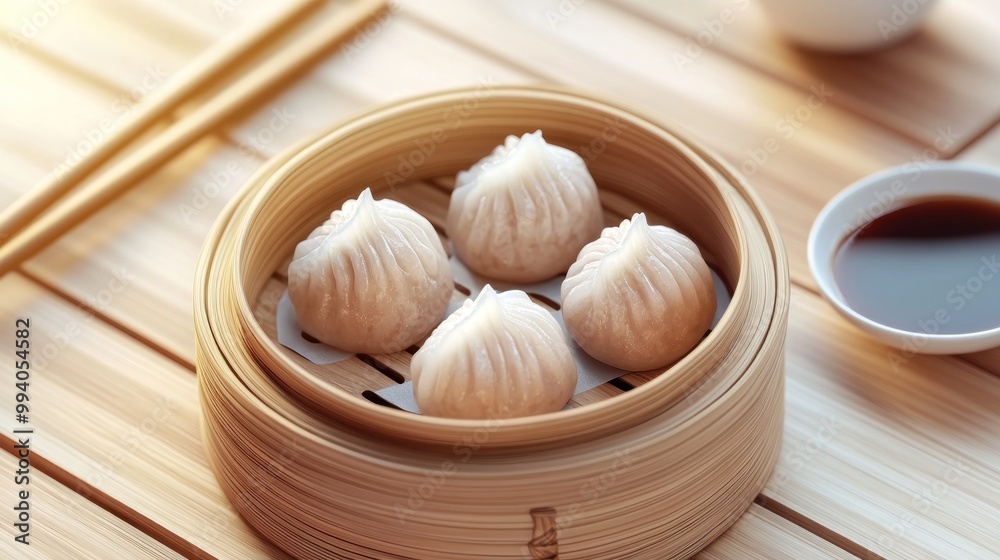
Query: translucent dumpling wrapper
(522, 213)
(373, 278)
(640, 297)
(498, 356)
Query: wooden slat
(210, 19)
(942, 78)
(122, 421)
(989, 360)
(150, 238)
(391, 59)
(985, 150)
(401, 59)
(85, 36)
(20, 172)
(762, 535)
(64, 524)
(32, 89)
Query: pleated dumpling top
(373, 278)
(522, 213)
(498, 356)
(640, 297)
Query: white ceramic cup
(847, 25)
(875, 195)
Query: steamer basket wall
(655, 472)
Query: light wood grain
(209, 19)
(762, 535)
(18, 172)
(391, 59)
(899, 460)
(122, 422)
(87, 37)
(152, 238)
(199, 77)
(64, 524)
(940, 79)
(247, 90)
(985, 150)
(31, 88)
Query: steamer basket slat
(653, 466)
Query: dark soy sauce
(930, 267)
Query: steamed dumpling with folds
(498, 356)
(522, 213)
(373, 278)
(640, 297)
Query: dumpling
(498, 356)
(522, 213)
(640, 297)
(373, 278)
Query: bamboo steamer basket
(655, 472)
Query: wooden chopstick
(260, 82)
(195, 77)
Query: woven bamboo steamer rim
(359, 152)
(252, 417)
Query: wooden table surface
(881, 459)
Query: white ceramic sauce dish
(847, 25)
(884, 192)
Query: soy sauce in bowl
(931, 266)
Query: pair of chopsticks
(26, 228)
